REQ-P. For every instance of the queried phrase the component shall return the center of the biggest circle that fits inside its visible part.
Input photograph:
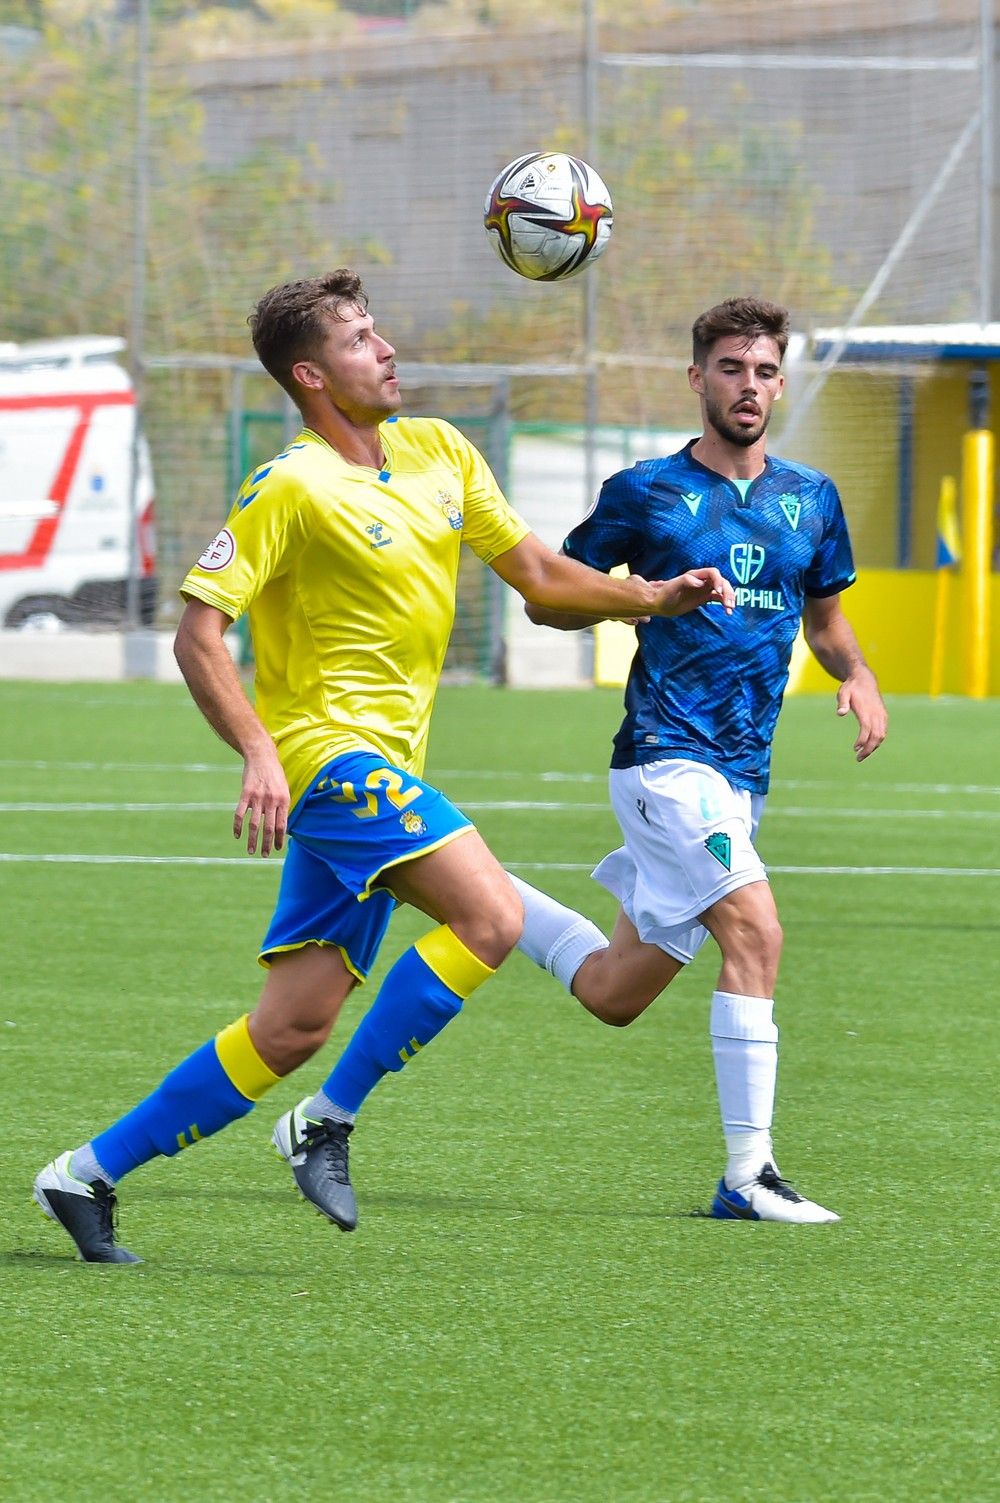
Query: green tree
(216, 235)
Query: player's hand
(688, 591)
(264, 796)
(859, 695)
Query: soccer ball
(548, 216)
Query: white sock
(320, 1106)
(556, 938)
(745, 1051)
(85, 1166)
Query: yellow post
(977, 540)
(948, 555)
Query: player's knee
(493, 931)
(617, 1009)
(301, 1041)
(286, 1043)
(615, 1017)
(617, 994)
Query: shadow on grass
(19, 1257)
(283, 1194)
(507, 1206)
(30, 1260)
(511, 1208)
(34, 1260)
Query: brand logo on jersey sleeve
(220, 552)
(792, 507)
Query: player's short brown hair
(290, 321)
(749, 317)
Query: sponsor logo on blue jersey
(746, 561)
(760, 600)
(705, 686)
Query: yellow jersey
(349, 575)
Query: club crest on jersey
(451, 509)
(220, 552)
(378, 536)
(792, 508)
(413, 823)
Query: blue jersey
(708, 686)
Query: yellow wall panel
(892, 612)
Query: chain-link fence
(161, 165)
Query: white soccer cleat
(767, 1197)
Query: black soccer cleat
(87, 1212)
(317, 1153)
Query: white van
(67, 419)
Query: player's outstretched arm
(211, 676)
(556, 587)
(832, 642)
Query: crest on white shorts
(720, 846)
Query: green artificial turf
(534, 1308)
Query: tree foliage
(67, 236)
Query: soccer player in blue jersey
(689, 771)
(344, 550)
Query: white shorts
(688, 842)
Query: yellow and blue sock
(214, 1086)
(423, 991)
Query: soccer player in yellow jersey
(344, 550)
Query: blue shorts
(359, 816)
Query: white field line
(166, 807)
(42, 765)
(534, 806)
(64, 858)
(444, 775)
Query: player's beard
(744, 438)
